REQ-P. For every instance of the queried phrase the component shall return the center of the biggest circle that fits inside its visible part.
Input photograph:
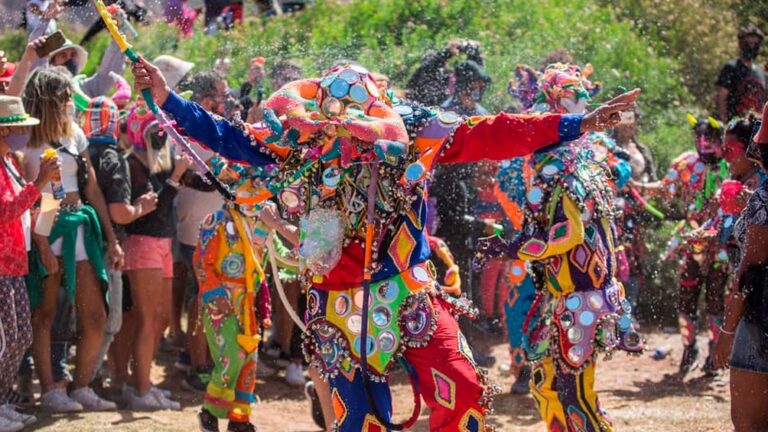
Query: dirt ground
(636, 391)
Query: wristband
(724, 331)
(173, 183)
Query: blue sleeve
(569, 128)
(215, 133)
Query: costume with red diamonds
(569, 227)
(340, 157)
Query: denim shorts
(746, 353)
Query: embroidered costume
(569, 227)
(693, 180)
(340, 157)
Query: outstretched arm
(505, 136)
(237, 144)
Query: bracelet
(724, 331)
(173, 183)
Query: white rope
(279, 284)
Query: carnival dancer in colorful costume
(569, 227)
(510, 192)
(694, 179)
(341, 158)
(228, 265)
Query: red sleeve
(501, 137)
(12, 206)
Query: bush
(391, 36)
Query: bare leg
(179, 293)
(324, 394)
(42, 320)
(197, 345)
(163, 313)
(91, 318)
(146, 289)
(749, 397)
(121, 349)
(284, 327)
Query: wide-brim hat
(173, 69)
(12, 113)
(81, 55)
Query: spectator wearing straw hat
(16, 199)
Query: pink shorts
(147, 252)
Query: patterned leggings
(519, 301)
(230, 391)
(568, 402)
(692, 282)
(15, 329)
(446, 378)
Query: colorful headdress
(347, 89)
(138, 121)
(561, 82)
(101, 120)
(708, 133)
(524, 86)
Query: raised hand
(608, 114)
(148, 76)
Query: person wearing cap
(74, 58)
(743, 342)
(741, 84)
(458, 191)
(431, 83)
(16, 199)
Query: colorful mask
(708, 135)
(564, 88)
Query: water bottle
(56, 186)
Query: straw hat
(81, 55)
(173, 69)
(12, 113)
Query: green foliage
(701, 34)
(669, 49)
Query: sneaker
(91, 401)
(57, 401)
(9, 411)
(129, 392)
(194, 382)
(152, 401)
(294, 375)
(234, 426)
(183, 362)
(162, 392)
(207, 421)
(522, 383)
(7, 425)
(316, 408)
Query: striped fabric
(101, 119)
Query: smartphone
(52, 43)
